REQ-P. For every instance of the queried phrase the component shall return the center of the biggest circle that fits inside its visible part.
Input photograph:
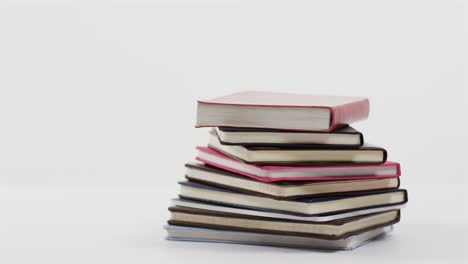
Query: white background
(97, 107)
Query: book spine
(349, 113)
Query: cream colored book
(284, 190)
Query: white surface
(97, 107)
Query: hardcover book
(282, 111)
(217, 207)
(304, 206)
(298, 155)
(183, 233)
(197, 204)
(286, 189)
(346, 137)
(332, 230)
(298, 173)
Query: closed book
(286, 111)
(270, 173)
(346, 137)
(205, 205)
(332, 230)
(304, 206)
(286, 189)
(185, 233)
(366, 154)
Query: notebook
(281, 111)
(197, 204)
(336, 229)
(299, 155)
(298, 173)
(346, 137)
(304, 206)
(183, 233)
(285, 189)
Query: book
(346, 137)
(303, 206)
(197, 172)
(298, 173)
(281, 111)
(332, 230)
(190, 203)
(183, 233)
(299, 156)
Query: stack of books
(287, 170)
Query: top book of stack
(283, 111)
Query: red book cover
(214, 158)
(343, 109)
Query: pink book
(212, 157)
(284, 111)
